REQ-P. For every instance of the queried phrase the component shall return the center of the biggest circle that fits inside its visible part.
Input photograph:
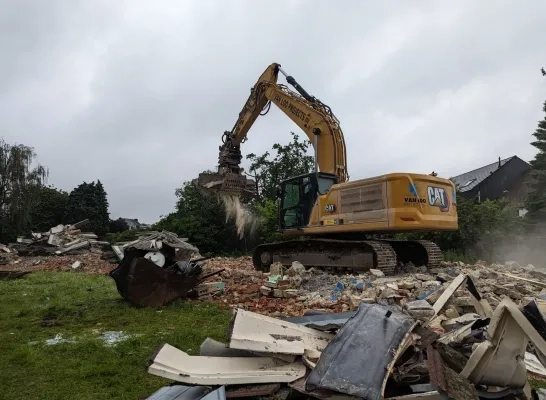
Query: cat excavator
(330, 222)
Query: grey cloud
(138, 95)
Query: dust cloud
(523, 246)
(244, 219)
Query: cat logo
(437, 197)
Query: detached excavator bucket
(145, 284)
(226, 184)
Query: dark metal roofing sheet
(355, 362)
(471, 179)
(322, 322)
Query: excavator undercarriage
(333, 255)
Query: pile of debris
(160, 246)
(89, 263)
(293, 291)
(377, 351)
(60, 239)
(158, 268)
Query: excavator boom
(313, 117)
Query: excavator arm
(314, 117)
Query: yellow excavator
(335, 218)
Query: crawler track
(348, 255)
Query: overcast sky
(137, 93)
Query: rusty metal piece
(447, 381)
(203, 277)
(323, 394)
(268, 389)
(145, 284)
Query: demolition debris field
(69, 335)
(67, 330)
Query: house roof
(132, 222)
(471, 179)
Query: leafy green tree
(269, 171)
(535, 202)
(18, 185)
(288, 161)
(269, 221)
(48, 208)
(89, 201)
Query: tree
(18, 184)
(103, 216)
(535, 202)
(89, 201)
(289, 160)
(202, 219)
(269, 221)
(48, 208)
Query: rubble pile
(156, 243)
(157, 269)
(67, 248)
(62, 248)
(243, 288)
(60, 239)
(289, 292)
(90, 263)
(282, 291)
(378, 351)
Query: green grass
(536, 383)
(76, 306)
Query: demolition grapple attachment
(230, 184)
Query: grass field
(80, 308)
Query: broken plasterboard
(171, 363)
(213, 348)
(255, 332)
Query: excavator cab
(298, 196)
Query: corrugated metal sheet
(471, 179)
(368, 198)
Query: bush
(453, 255)
(269, 221)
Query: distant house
(133, 223)
(506, 178)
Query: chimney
(499, 162)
